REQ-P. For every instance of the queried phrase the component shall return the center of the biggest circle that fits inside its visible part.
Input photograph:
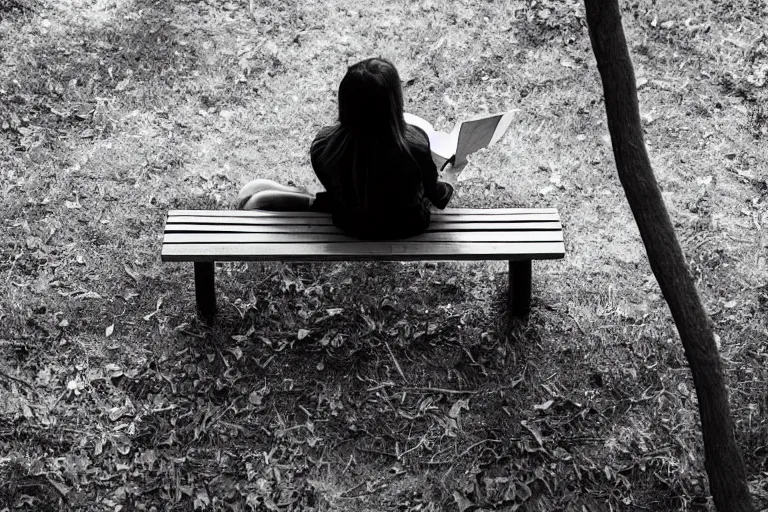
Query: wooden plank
(282, 238)
(322, 220)
(293, 228)
(447, 211)
(352, 251)
(325, 220)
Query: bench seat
(518, 235)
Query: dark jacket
(382, 192)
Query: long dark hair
(370, 118)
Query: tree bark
(723, 461)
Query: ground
(368, 386)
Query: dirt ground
(368, 386)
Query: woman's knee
(256, 186)
(278, 201)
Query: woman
(377, 171)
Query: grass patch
(368, 385)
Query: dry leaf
(118, 412)
(255, 398)
(123, 84)
(462, 502)
(543, 407)
(131, 273)
(303, 333)
(457, 407)
(546, 190)
(237, 352)
(109, 330)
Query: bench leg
(205, 291)
(519, 288)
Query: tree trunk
(723, 461)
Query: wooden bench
(515, 234)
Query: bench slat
(325, 220)
(281, 238)
(353, 251)
(311, 228)
(447, 211)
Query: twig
(383, 385)
(374, 486)
(377, 452)
(418, 445)
(14, 344)
(16, 379)
(463, 392)
(469, 449)
(397, 365)
(577, 324)
(445, 391)
(478, 444)
(701, 243)
(352, 489)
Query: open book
(465, 138)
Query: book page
(480, 132)
(465, 138)
(441, 144)
(475, 135)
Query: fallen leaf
(123, 84)
(543, 407)
(457, 407)
(462, 502)
(109, 330)
(118, 412)
(237, 352)
(62, 489)
(89, 295)
(303, 333)
(131, 273)
(534, 432)
(523, 491)
(546, 190)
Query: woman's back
(375, 189)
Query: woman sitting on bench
(377, 171)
